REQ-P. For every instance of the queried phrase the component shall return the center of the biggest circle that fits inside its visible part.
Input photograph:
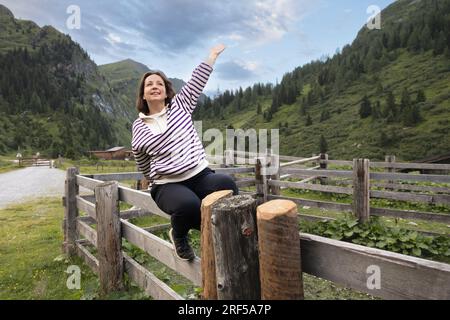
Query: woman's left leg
(213, 182)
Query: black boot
(182, 248)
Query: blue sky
(264, 38)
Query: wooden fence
(36, 162)
(402, 277)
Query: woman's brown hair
(141, 104)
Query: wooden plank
(401, 276)
(319, 173)
(109, 239)
(162, 251)
(86, 206)
(119, 176)
(87, 182)
(88, 257)
(299, 161)
(245, 183)
(70, 211)
(235, 170)
(408, 196)
(427, 216)
(410, 177)
(411, 187)
(396, 165)
(141, 200)
(157, 228)
(316, 203)
(88, 232)
(148, 282)
(134, 213)
(314, 187)
(361, 190)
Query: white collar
(153, 116)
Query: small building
(116, 153)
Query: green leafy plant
(377, 235)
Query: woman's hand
(216, 50)
(214, 53)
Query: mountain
(386, 93)
(124, 77)
(53, 97)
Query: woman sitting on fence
(170, 154)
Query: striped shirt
(178, 149)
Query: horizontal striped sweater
(178, 149)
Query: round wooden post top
(213, 197)
(275, 208)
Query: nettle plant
(377, 235)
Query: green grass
(33, 267)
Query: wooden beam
(88, 257)
(314, 187)
(354, 266)
(119, 176)
(86, 206)
(162, 251)
(148, 282)
(86, 231)
(141, 200)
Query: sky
(264, 38)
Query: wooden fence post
(361, 189)
(261, 180)
(279, 251)
(236, 248)
(274, 163)
(208, 259)
(109, 237)
(323, 166)
(70, 212)
(390, 159)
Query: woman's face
(154, 89)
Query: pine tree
(365, 109)
(308, 121)
(323, 145)
(390, 107)
(258, 109)
(406, 100)
(421, 96)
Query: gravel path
(30, 183)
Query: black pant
(182, 200)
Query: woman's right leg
(181, 203)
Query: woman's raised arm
(191, 91)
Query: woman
(169, 153)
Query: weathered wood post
(361, 189)
(279, 251)
(390, 159)
(262, 188)
(274, 161)
(70, 212)
(236, 248)
(208, 258)
(323, 166)
(109, 237)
